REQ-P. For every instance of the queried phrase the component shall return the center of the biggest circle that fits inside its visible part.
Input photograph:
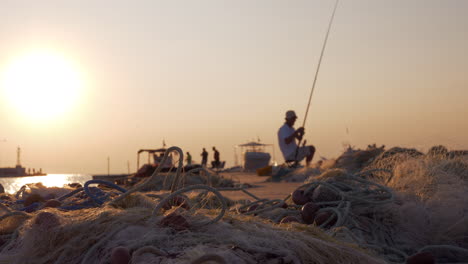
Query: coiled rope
(150, 182)
(96, 199)
(192, 188)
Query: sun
(41, 85)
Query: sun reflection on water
(13, 184)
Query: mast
(18, 157)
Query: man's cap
(290, 114)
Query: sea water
(13, 184)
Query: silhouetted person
(189, 158)
(204, 157)
(287, 136)
(216, 161)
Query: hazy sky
(220, 73)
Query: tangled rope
(97, 199)
(150, 182)
(355, 211)
(192, 188)
(353, 206)
(349, 199)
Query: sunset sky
(221, 73)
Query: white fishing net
(191, 224)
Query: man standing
(189, 158)
(216, 161)
(204, 157)
(287, 136)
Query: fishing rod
(317, 71)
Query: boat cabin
(255, 155)
(155, 157)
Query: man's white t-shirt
(284, 132)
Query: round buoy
(421, 258)
(52, 203)
(46, 220)
(309, 211)
(33, 198)
(289, 219)
(120, 255)
(299, 198)
(324, 194)
(175, 221)
(322, 217)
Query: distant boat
(111, 177)
(18, 170)
(154, 160)
(254, 155)
(156, 156)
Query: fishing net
(417, 211)
(434, 204)
(301, 174)
(189, 224)
(428, 211)
(354, 160)
(400, 203)
(90, 237)
(351, 160)
(163, 180)
(391, 158)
